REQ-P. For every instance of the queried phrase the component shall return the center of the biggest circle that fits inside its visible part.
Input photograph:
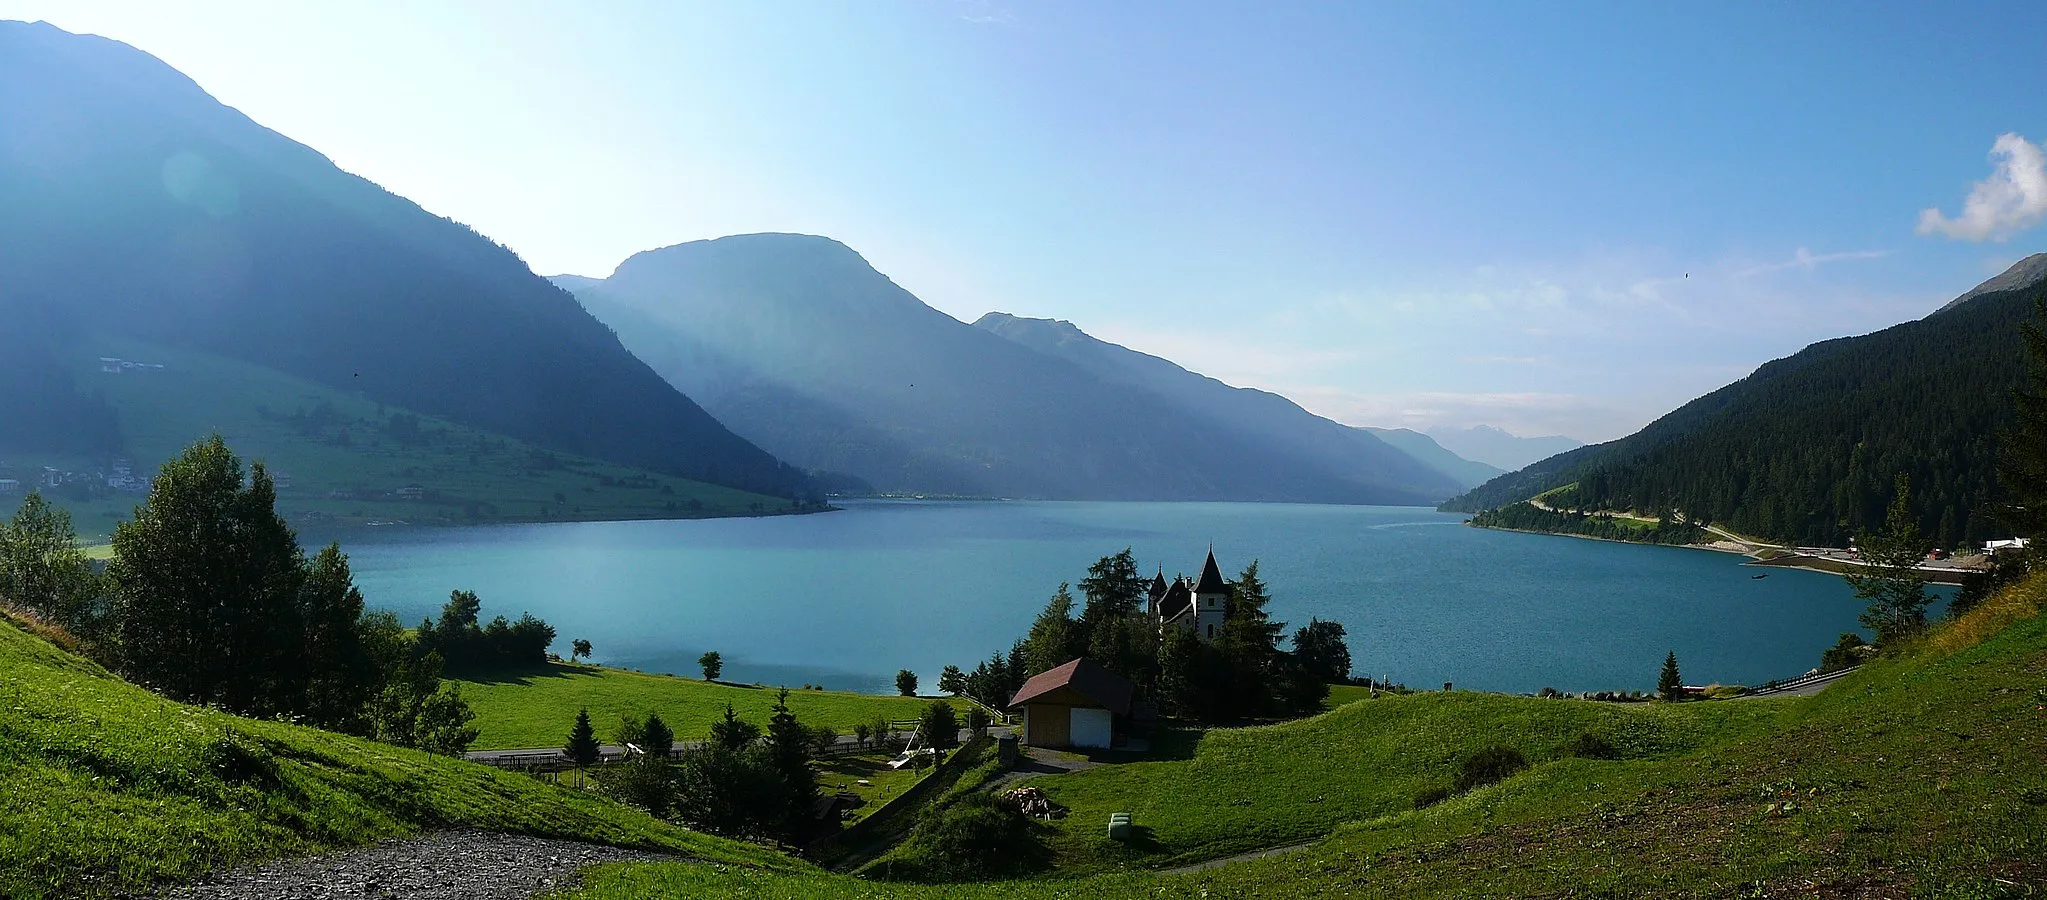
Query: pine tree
(582, 747)
(656, 738)
(952, 681)
(1249, 643)
(341, 675)
(2022, 467)
(1055, 638)
(1669, 685)
(734, 733)
(788, 750)
(1890, 580)
(906, 682)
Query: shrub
(1490, 766)
(1427, 797)
(1592, 746)
(975, 837)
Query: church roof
(1086, 678)
(1178, 599)
(1211, 578)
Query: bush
(646, 782)
(975, 837)
(1427, 797)
(1592, 746)
(1490, 766)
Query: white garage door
(1091, 728)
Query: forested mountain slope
(1807, 449)
(136, 206)
(1467, 473)
(797, 343)
(1359, 454)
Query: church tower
(1211, 601)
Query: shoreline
(1944, 577)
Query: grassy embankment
(106, 789)
(331, 441)
(1923, 774)
(537, 708)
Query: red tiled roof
(1086, 678)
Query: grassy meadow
(536, 708)
(331, 442)
(1924, 775)
(107, 789)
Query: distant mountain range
(1496, 448)
(1465, 472)
(797, 343)
(137, 207)
(1807, 448)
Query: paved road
(1803, 687)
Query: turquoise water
(845, 599)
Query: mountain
(1253, 414)
(797, 343)
(2023, 274)
(1496, 448)
(1806, 449)
(1423, 448)
(139, 208)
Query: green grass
(844, 774)
(1924, 774)
(107, 789)
(469, 475)
(1340, 694)
(537, 708)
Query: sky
(1551, 218)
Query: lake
(844, 599)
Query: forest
(1807, 449)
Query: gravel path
(448, 865)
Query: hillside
(1922, 774)
(1424, 449)
(1257, 416)
(1497, 448)
(797, 343)
(140, 208)
(1806, 449)
(107, 789)
(534, 709)
(342, 459)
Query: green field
(1924, 774)
(106, 789)
(340, 458)
(536, 709)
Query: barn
(1079, 704)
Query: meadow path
(447, 865)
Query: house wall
(1048, 725)
(1090, 727)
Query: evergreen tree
(906, 682)
(656, 737)
(1180, 682)
(1669, 685)
(941, 725)
(952, 681)
(1113, 588)
(734, 733)
(582, 748)
(1055, 638)
(788, 751)
(1249, 645)
(1890, 580)
(206, 584)
(341, 675)
(713, 665)
(2022, 467)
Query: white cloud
(1805, 261)
(2012, 199)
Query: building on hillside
(1079, 704)
(1198, 606)
(2005, 546)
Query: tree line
(209, 599)
(1529, 517)
(1242, 674)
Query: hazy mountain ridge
(1465, 472)
(797, 343)
(141, 207)
(1256, 414)
(1806, 448)
(1497, 448)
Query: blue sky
(1550, 217)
